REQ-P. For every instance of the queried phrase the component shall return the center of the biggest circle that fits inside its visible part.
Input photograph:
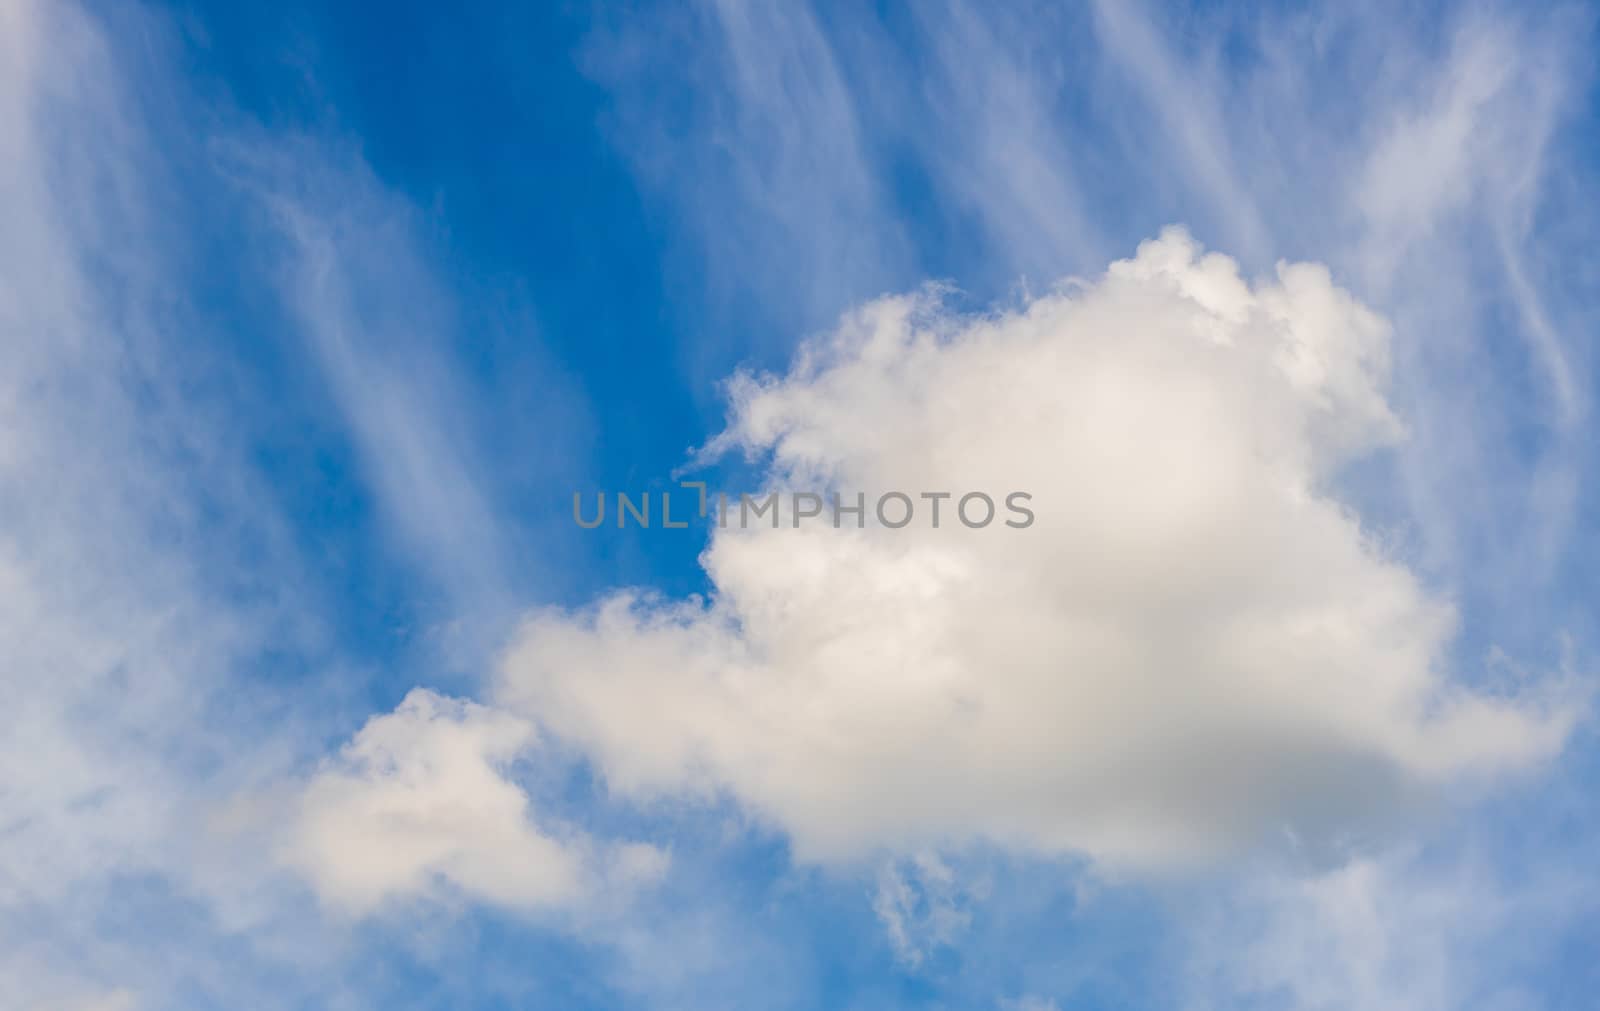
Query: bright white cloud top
(1195, 645)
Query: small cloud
(420, 803)
(921, 905)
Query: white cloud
(1435, 162)
(921, 904)
(1194, 646)
(420, 801)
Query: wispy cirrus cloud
(168, 644)
(123, 647)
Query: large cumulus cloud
(1195, 644)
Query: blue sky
(316, 316)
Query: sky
(324, 328)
